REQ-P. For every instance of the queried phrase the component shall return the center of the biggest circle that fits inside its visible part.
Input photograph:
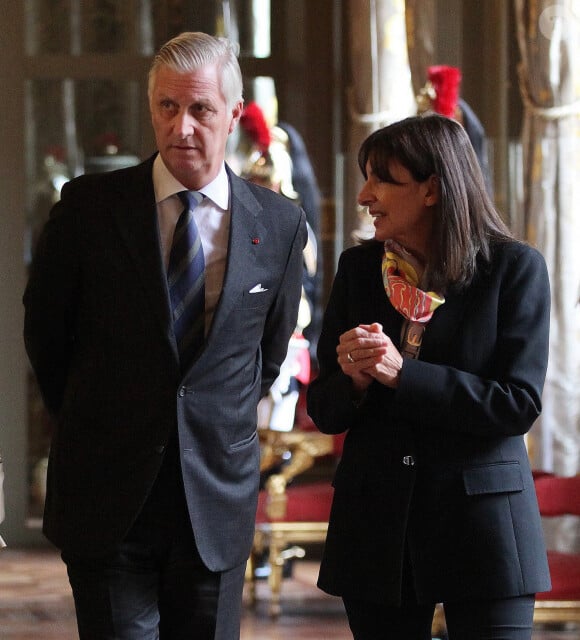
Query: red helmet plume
(253, 122)
(445, 81)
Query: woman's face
(404, 211)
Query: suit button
(182, 392)
(160, 448)
(409, 461)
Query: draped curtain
(549, 75)
(379, 90)
(421, 21)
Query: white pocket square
(257, 289)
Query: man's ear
(236, 115)
(432, 192)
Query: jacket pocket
(246, 442)
(495, 477)
(257, 299)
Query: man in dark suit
(154, 464)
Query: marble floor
(36, 604)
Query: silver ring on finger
(350, 358)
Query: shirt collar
(165, 185)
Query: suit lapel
(244, 227)
(135, 214)
(381, 310)
(443, 328)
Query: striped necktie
(186, 280)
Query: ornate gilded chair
(290, 512)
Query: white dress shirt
(212, 217)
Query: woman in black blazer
(433, 355)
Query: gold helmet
(268, 162)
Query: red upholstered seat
(308, 502)
(559, 496)
(538, 473)
(565, 573)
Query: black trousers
(155, 584)
(498, 619)
(503, 619)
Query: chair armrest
(304, 447)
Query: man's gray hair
(192, 50)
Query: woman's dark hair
(467, 222)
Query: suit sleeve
(283, 314)
(504, 398)
(50, 303)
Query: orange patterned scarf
(401, 275)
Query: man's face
(191, 123)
